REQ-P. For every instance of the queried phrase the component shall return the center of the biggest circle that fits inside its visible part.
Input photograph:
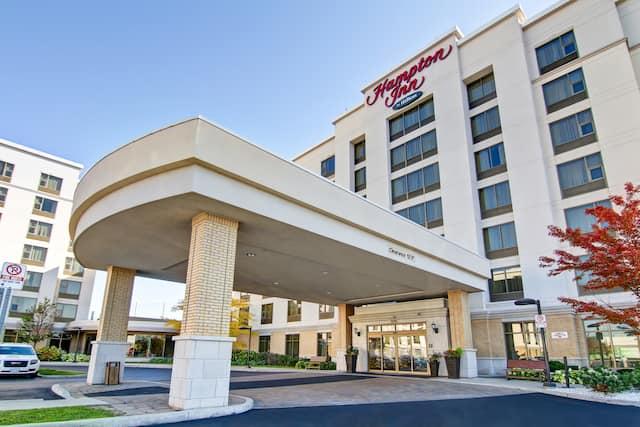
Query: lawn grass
(66, 413)
(57, 372)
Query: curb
(556, 392)
(148, 419)
(61, 391)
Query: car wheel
(33, 375)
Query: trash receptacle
(112, 373)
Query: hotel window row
(294, 312)
(47, 183)
(411, 120)
(427, 214)
(415, 183)
(419, 148)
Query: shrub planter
(434, 367)
(351, 361)
(453, 367)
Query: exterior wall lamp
(435, 328)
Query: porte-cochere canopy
(300, 236)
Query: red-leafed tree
(612, 249)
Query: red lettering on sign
(404, 83)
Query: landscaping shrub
(161, 360)
(239, 358)
(68, 357)
(301, 364)
(556, 365)
(605, 380)
(328, 365)
(575, 376)
(49, 354)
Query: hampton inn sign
(393, 90)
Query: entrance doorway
(400, 348)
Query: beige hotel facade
(522, 124)
(412, 230)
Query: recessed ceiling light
(325, 272)
(250, 254)
(276, 283)
(328, 292)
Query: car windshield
(24, 351)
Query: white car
(18, 359)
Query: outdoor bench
(315, 361)
(536, 367)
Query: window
(46, 207)
(65, 312)
(523, 341)
(72, 267)
(584, 277)
(264, 344)
(419, 148)
(620, 348)
(39, 230)
(481, 90)
(557, 52)
(294, 310)
(506, 284)
(577, 218)
(491, 161)
(581, 175)
(360, 178)
(485, 125)
(6, 171)
(69, 289)
(266, 314)
(324, 344)
(427, 214)
(495, 199)
(328, 167)
(22, 305)
(500, 240)
(359, 152)
(34, 255)
(564, 91)
(415, 183)
(411, 120)
(572, 132)
(326, 311)
(50, 183)
(292, 345)
(32, 281)
(3, 195)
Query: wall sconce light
(434, 327)
(357, 331)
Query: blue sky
(79, 79)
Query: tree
(240, 317)
(38, 323)
(612, 260)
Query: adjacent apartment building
(486, 139)
(36, 192)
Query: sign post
(12, 276)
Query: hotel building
(485, 140)
(36, 193)
(421, 220)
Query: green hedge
(239, 358)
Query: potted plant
(351, 358)
(434, 363)
(452, 358)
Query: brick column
(460, 332)
(202, 355)
(111, 343)
(344, 336)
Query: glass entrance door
(398, 348)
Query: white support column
(202, 355)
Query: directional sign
(541, 321)
(13, 275)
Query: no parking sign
(13, 275)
